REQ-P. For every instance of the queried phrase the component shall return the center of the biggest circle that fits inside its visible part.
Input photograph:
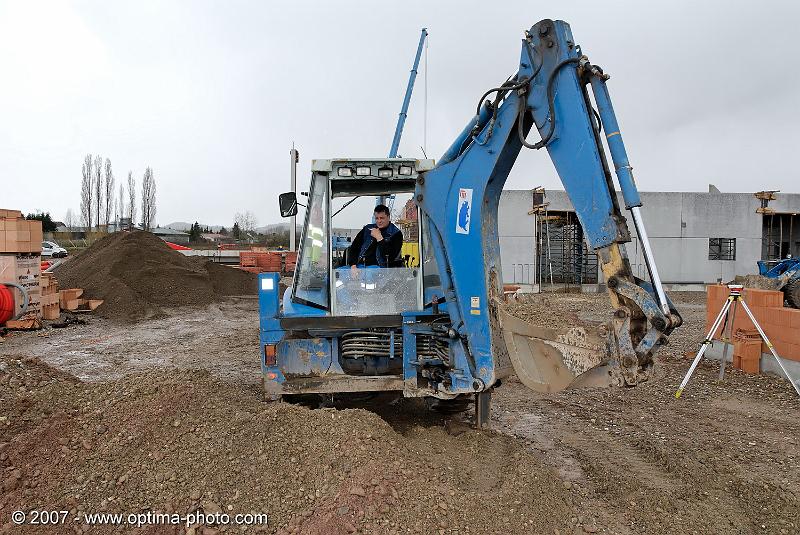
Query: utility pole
(295, 159)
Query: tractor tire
(791, 293)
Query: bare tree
(119, 206)
(86, 192)
(131, 199)
(148, 199)
(98, 188)
(247, 222)
(69, 220)
(109, 192)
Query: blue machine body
(446, 336)
(787, 266)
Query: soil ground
(166, 414)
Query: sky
(212, 95)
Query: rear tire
(791, 293)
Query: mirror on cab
(288, 203)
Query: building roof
(168, 232)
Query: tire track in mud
(574, 449)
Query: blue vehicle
(437, 328)
(786, 272)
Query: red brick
(753, 297)
(715, 296)
(778, 317)
(783, 348)
(785, 334)
(792, 335)
(751, 364)
(712, 291)
(793, 315)
(761, 313)
(774, 299)
(751, 349)
(742, 320)
(764, 298)
(771, 330)
(792, 352)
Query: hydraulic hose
(551, 105)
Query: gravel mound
(137, 274)
(183, 442)
(757, 281)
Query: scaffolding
(562, 257)
(779, 230)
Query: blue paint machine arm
(460, 198)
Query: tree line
(98, 203)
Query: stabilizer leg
(483, 409)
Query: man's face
(381, 220)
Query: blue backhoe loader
(786, 273)
(437, 328)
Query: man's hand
(375, 232)
(354, 271)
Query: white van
(53, 250)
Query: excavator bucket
(550, 359)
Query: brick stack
(289, 261)
(747, 351)
(261, 262)
(48, 287)
(780, 324)
(20, 259)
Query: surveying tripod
(734, 298)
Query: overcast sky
(212, 94)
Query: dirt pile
(137, 274)
(758, 281)
(183, 442)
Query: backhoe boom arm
(460, 199)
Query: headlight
(385, 172)
(363, 171)
(345, 171)
(405, 170)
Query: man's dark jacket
(364, 249)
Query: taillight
(269, 355)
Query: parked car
(53, 250)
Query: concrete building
(697, 238)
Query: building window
(722, 248)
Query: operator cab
(324, 283)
